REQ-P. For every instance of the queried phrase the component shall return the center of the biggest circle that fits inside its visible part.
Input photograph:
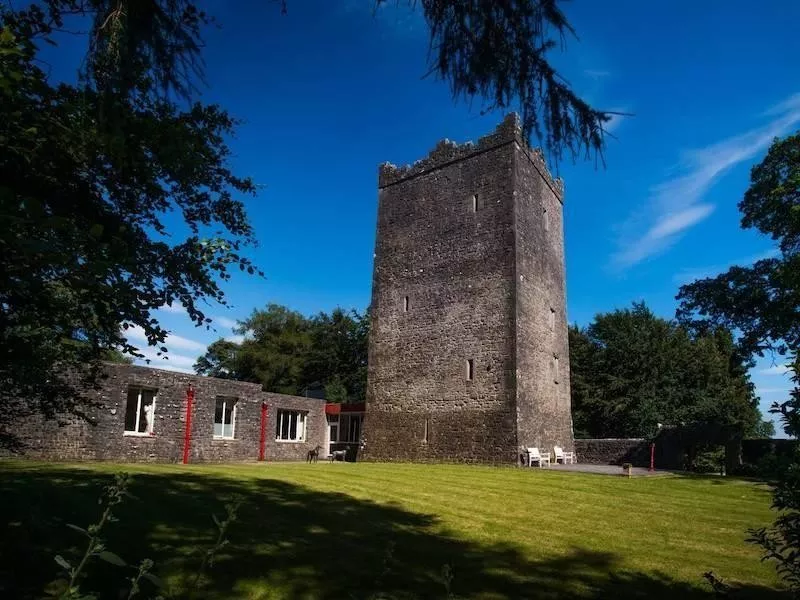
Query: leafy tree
(220, 360)
(764, 430)
(289, 353)
(87, 172)
(781, 541)
(762, 303)
(338, 356)
(631, 371)
(276, 355)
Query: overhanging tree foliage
(498, 51)
(87, 174)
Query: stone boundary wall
(613, 451)
(101, 435)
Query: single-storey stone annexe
(139, 414)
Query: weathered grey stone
(466, 269)
(101, 436)
(610, 451)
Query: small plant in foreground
(231, 510)
(68, 588)
(718, 585)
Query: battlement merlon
(447, 151)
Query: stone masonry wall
(613, 451)
(455, 265)
(543, 382)
(102, 435)
(446, 290)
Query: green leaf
(62, 562)
(112, 558)
(6, 37)
(56, 588)
(153, 579)
(78, 529)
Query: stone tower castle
(468, 357)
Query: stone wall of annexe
(225, 421)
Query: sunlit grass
(351, 530)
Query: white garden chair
(534, 456)
(564, 457)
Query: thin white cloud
(771, 391)
(675, 205)
(169, 361)
(236, 339)
(685, 276)
(172, 341)
(775, 370)
(597, 73)
(791, 103)
(674, 223)
(175, 308)
(226, 322)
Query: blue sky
(330, 90)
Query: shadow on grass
(290, 542)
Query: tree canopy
(761, 302)
(631, 371)
(289, 353)
(87, 173)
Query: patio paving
(605, 470)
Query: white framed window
(470, 369)
(225, 418)
(140, 411)
(290, 426)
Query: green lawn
(352, 530)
